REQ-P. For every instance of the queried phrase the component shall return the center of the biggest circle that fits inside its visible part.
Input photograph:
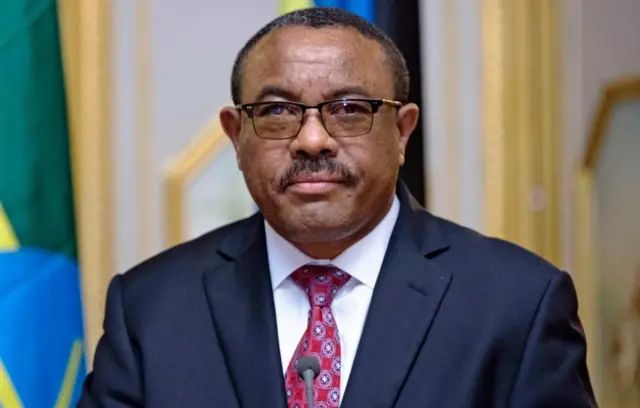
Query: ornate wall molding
(585, 254)
(616, 92)
(187, 166)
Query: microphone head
(308, 363)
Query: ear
(407, 120)
(231, 120)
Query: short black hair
(320, 17)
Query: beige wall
(171, 66)
(601, 43)
(452, 78)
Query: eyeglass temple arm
(392, 102)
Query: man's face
(315, 188)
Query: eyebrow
(347, 91)
(280, 92)
(275, 91)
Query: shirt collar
(362, 260)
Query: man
(397, 307)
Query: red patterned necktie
(321, 339)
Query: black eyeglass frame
(248, 108)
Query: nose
(313, 140)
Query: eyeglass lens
(281, 120)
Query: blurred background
(111, 151)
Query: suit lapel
(405, 301)
(241, 302)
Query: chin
(306, 226)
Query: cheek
(374, 165)
(262, 162)
(380, 156)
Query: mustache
(322, 164)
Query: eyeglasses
(340, 117)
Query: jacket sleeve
(116, 378)
(553, 371)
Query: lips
(315, 183)
(315, 178)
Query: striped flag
(400, 20)
(41, 331)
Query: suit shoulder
(490, 255)
(182, 260)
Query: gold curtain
(521, 123)
(85, 30)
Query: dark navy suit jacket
(456, 320)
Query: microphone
(308, 368)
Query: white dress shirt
(362, 261)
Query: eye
(277, 109)
(348, 108)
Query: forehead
(311, 62)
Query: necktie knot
(320, 282)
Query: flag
(400, 20)
(41, 331)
